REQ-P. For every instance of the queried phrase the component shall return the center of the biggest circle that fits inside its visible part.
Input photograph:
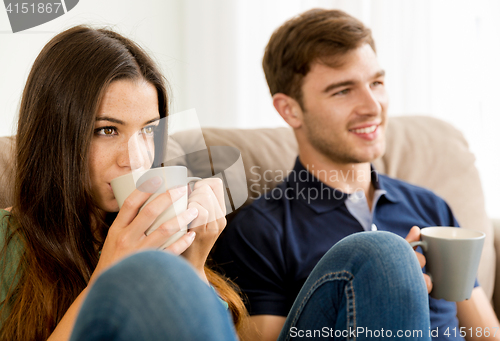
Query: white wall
(154, 24)
(441, 59)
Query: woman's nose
(134, 154)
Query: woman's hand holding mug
(127, 234)
(208, 198)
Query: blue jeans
(152, 296)
(368, 284)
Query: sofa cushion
(268, 154)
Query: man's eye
(376, 83)
(106, 131)
(343, 92)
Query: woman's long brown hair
(54, 214)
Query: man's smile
(367, 132)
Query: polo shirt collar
(321, 197)
(381, 182)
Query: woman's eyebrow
(117, 121)
(110, 119)
(153, 120)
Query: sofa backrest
(420, 150)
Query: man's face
(345, 108)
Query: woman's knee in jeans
(149, 266)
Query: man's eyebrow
(337, 85)
(333, 86)
(117, 121)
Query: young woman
(87, 93)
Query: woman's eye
(106, 131)
(149, 130)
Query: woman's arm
(127, 236)
(65, 326)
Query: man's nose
(368, 103)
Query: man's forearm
(478, 318)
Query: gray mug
(452, 256)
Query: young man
(323, 73)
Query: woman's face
(123, 136)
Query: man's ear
(289, 109)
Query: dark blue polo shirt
(271, 246)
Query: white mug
(172, 177)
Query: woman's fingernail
(191, 235)
(192, 212)
(156, 180)
(178, 192)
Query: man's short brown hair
(316, 35)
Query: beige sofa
(421, 150)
